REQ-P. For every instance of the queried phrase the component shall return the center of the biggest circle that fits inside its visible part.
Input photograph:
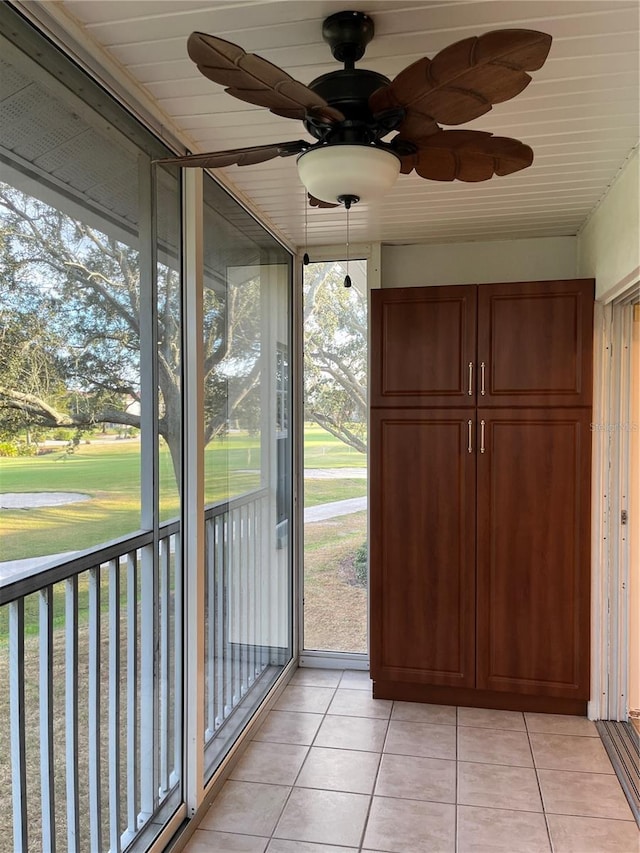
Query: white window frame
(371, 252)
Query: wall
(542, 258)
(609, 241)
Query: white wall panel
(545, 258)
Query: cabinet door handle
(469, 444)
(482, 378)
(481, 436)
(470, 391)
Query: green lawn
(110, 474)
(323, 450)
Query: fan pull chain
(347, 278)
(305, 257)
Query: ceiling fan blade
(416, 126)
(466, 155)
(465, 79)
(255, 80)
(316, 202)
(239, 156)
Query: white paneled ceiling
(580, 113)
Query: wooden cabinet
(423, 345)
(480, 511)
(533, 551)
(534, 343)
(423, 583)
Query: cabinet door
(535, 343)
(533, 552)
(423, 345)
(422, 555)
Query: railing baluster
(16, 713)
(164, 666)
(264, 598)
(218, 581)
(237, 603)
(255, 593)
(47, 787)
(210, 660)
(71, 711)
(227, 592)
(242, 599)
(114, 706)
(177, 659)
(87, 751)
(148, 702)
(95, 811)
(133, 787)
(249, 593)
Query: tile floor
(333, 770)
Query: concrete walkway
(335, 473)
(322, 512)
(15, 570)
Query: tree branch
(47, 415)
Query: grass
(335, 606)
(324, 491)
(110, 473)
(323, 450)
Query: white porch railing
(237, 649)
(93, 648)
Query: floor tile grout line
(308, 748)
(292, 786)
(457, 809)
(375, 780)
(539, 784)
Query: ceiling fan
(350, 111)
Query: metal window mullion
(114, 706)
(46, 720)
(193, 486)
(297, 415)
(133, 787)
(148, 317)
(71, 712)
(17, 724)
(95, 817)
(149, 489)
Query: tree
(335, 354)
(70, 329)
(70, 335)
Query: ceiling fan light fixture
(332, 172)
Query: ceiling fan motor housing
(348, 90)
(348, 34)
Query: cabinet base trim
(472, 698)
